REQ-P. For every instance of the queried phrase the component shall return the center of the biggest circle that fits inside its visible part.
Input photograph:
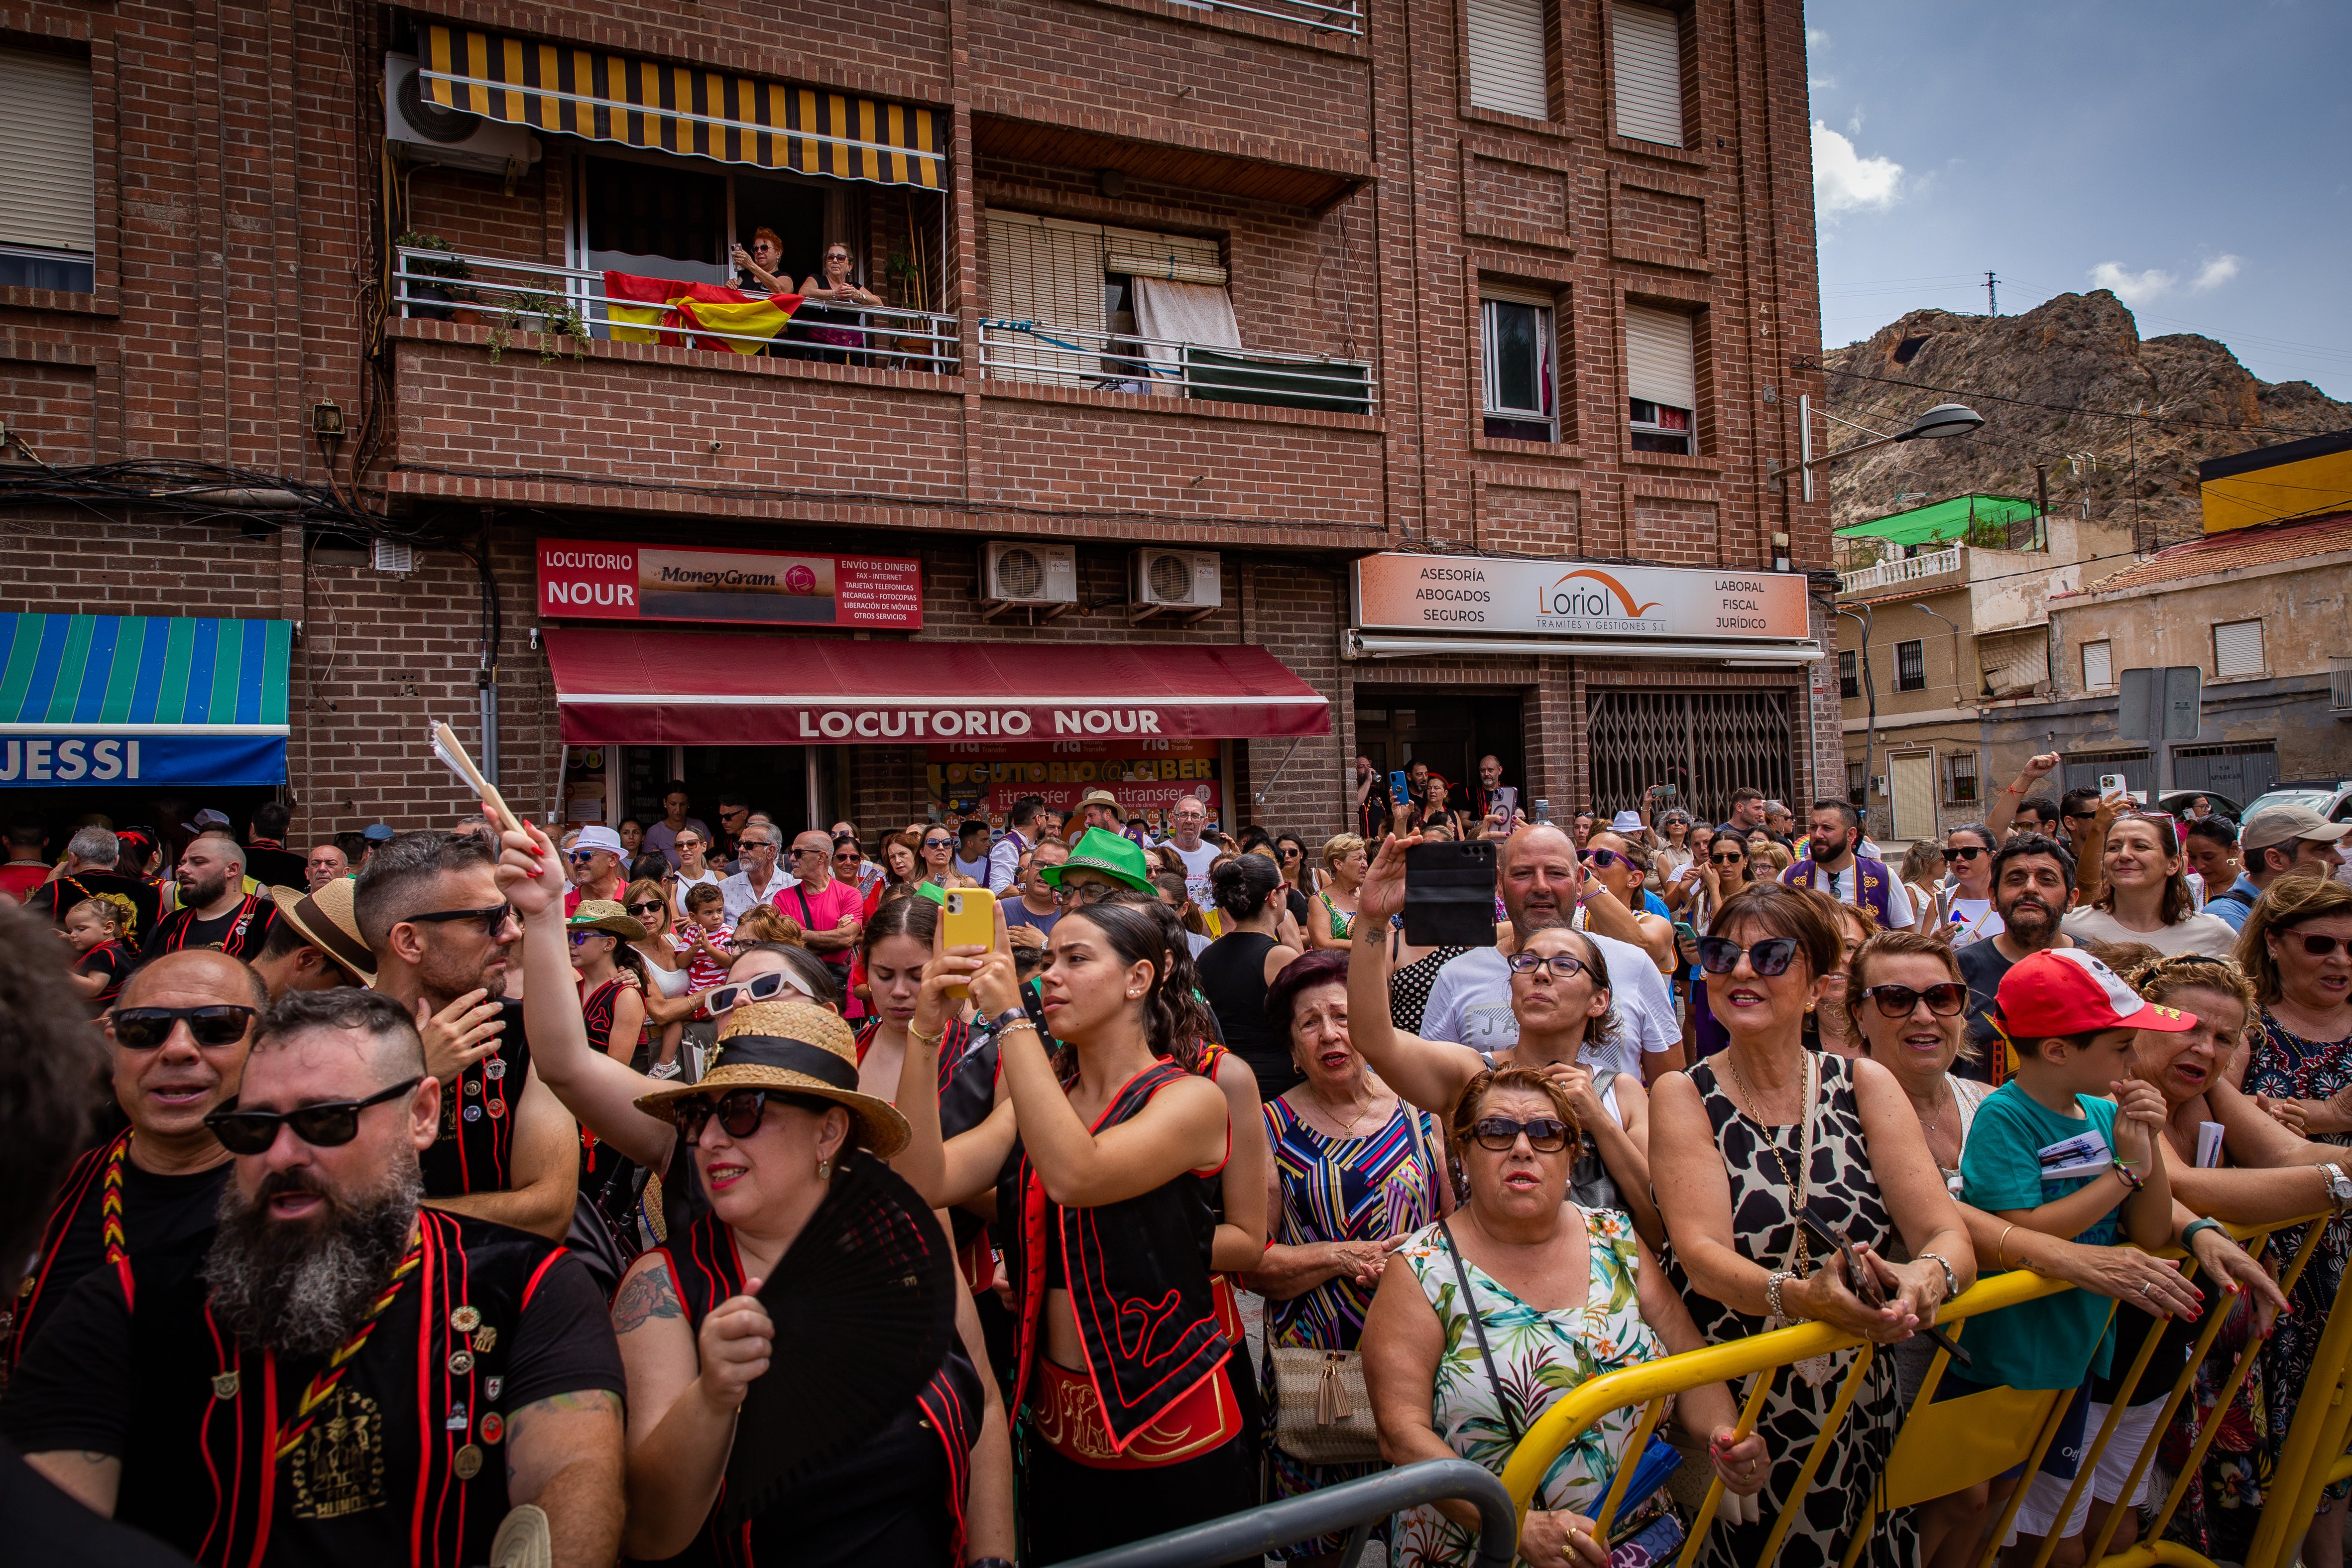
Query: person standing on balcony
(758, 267)
(839, 329)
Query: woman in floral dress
(1557, 1294)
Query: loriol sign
(1459, 594)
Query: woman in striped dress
(1355, 1169)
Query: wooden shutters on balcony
(1048, 271)
(48, 200)
(1648, 45)
(1509, 70)
(679, 109)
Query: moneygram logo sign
(1591, 601)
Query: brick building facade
(244, 224)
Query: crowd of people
(418, 1197)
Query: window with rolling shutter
(1049, 271)
(1661, 379)
(1509, 70)
(1648, 43)
(1174, 258)
(2014, 662)
(2098, 666)
(2237, 648)
(48, 201)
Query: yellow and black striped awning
(681, 108)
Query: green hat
(1115, 856)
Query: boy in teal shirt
(2050, 1152)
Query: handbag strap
(1478, 1327)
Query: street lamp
(1943, 420)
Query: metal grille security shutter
(1178, 258)
(1048, 271)
(1649, 48)
(2237, 648)
(2098, 666)
(1706, 743)
(48, 194)
(1508, 68)
(1660, 365)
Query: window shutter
(1175, 257)
(2098, 666)
(1660, 365)
(1508, 68)
(2014, 661)
(2237, 648)
(48, 197)
(1048, 271)
(1649, 48)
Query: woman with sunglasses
(766, 1130)
(1720, 868)
(693, 868)
(1105, 1147)
(646, 901)
(612, 976)
(937, 870)
(1297, 876)
(1485, 1318)
(2144, 895)
(1739, 1144)
(1967, 896)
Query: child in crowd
(2049, 1150)
(94, 930)
(702, 937)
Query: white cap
(1626, 822)
(596, 836)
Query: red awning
(638, 688)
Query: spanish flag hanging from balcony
(669, 312)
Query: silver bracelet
(1951, 1281)
(1772, 1294)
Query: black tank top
(1233, 977)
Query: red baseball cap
(2065, 991)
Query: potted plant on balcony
(446, 264)
(559, 319)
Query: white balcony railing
(2339, 685)
(1341, 18)
(438, 285)
(1894, 573)
(1062, 356)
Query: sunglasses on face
(580, 937)
(1604, 858)
(2081, 816)
(2314, 944)
(328, 1126)
(642, 910)
(938, 843)
(494, 919)
(146, 1029)
(582, 857)
(1720, 954)
(1964, 851)
(759, 988)
(1945, 1000)
(1288, 854)
(757, 843)
(1725, 859)
(1558, 965)
(739, 1111)
(804, 854)
(1500, 1134)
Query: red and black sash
(96, 1178)
(704, 1270)
(475, 1152)
(248, 929)
(1138, 1279)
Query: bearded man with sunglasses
(350, 1377)
(181, 1029)
(442, 916)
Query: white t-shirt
(1849, 884)
(1196, 871)
(1973, 920)
(2207, 934)
(1470, 1002)
(687, 884)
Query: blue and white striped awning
(143, 699)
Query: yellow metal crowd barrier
(1947, 1447)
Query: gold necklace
(1349, 1130)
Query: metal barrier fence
(1940, 1449)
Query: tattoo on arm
(648, 1295)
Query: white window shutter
(48, 188)
(2098, 666)
(1661, 365)
(1649, 48)
(2237, 648)
(1509, 72)
(1048, 271)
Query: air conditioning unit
(1183, 585)
(436, 134)
(1015, 573)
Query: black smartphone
(1449, 894)
(1861, 1281)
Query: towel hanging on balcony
(1182, 313)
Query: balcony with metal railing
(2339, 686)
(1104, 362)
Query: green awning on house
(1944, 520)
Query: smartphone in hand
(1449, 894)
(1400, 789)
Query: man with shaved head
(214, 910)
(181, 1028)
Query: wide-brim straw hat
(328, 922)
(796, 1048)
(605, 915)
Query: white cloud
(1844, 180)
(2217, 271)
(1817, 38)
(2144, 288)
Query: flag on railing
(669, 312)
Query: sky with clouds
(2194, 158)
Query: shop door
(1704, 743)
(772, 779)
(1913, 778)
(1449, 730)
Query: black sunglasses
(739, 1111)
(1499, 1134)
(494, 919)
(1945, 1000)
(2081, 816)
(1964, 851)
(145, 1029)
(641, 910)
(327, 1126)
(1561, 965)
(2314, 944)
(1726, 859)
(1720, 954)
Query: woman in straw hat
(1105, 1149)
(613, 983)
(766, 1130)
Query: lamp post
(1944, 420)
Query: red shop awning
(637, 687)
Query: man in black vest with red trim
(181, 1028)
(354, 1378)
(215, 908)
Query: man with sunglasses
(350, 1377)
(441, 916)
(831, 911)
(215, 910)
(1838, 868)
(756, 879)
(181, 1031)
(2033, 886)
(596, 856)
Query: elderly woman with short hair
(1332, 914)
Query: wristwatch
(1009, 1018)
(2339, 1187)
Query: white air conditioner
(1015, 573)
(1184, 583)
(436, 134)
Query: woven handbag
(1321, 1413)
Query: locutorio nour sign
(1475, 594)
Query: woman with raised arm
(2144, 894)
(1104, 1148)
(1560, 994)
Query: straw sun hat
(796, 1048)
(607, 916)
(328, 922)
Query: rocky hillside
(2077, 351)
